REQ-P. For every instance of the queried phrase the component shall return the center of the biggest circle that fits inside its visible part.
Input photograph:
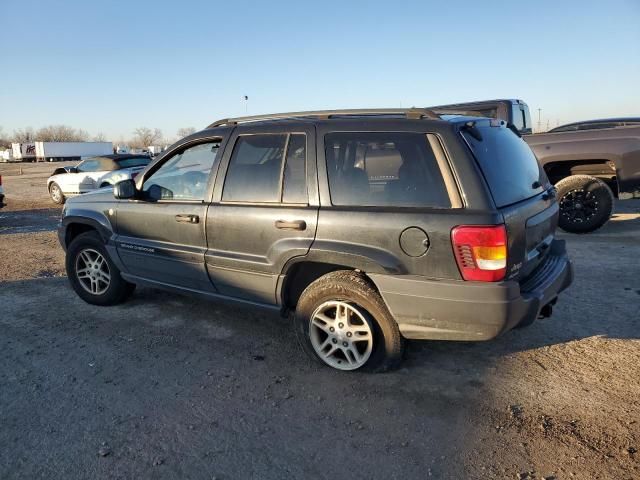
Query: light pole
(539, 120)
(246, 104)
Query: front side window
(267, 168)
(185, 175)
(383, 169)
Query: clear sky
(112, 66)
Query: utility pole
(539, 120)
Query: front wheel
(586, 203)
(342, 321)
(92, 273)
(56, 193)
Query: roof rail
(410, 113)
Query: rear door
(521, 192)
(265, 209)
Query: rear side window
(518, 117)
(508, 165)
(383, 169)
(258, 172)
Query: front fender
(98, 220)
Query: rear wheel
(56, 193)
(342, 322)
(586, 203)
(92, 273)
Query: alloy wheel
(92, 271)
(341, 335)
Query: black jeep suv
(369, 226)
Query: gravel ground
(167, 386)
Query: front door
(162, 237)
(265, 209)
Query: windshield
(133, 162)
(508, 164)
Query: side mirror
(71, 169)
(124, 189)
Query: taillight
(481, 252)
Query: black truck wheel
(585, 203)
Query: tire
(586, 203)
(350, 291)
(90, 246)
(56, 193)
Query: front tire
(586, 203)
(92, 273)
(56, 193)
(341, 321)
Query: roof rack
(410, 113)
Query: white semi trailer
(71, 151)
(24, 152)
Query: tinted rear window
(133, 162)
(383, 169)
(508, 165)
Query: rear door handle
(293, 225)
(186, 218)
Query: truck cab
(515, 112)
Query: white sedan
(92, 173)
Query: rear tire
(92, 273)
(56, 193)
(586, 203)
(364, 337)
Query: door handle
(186, 218)
(293, 225)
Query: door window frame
(176, 150)
(310, 163)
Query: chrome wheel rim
(92, 271)
(340, 335)
(55, 193)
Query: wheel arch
(74, 226)
(300, 274)
(601, 168)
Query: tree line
(142, 137)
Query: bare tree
(185, 132)
(144, 137)
(100, 137)
(4, 140)
(61, 133)
(24, 135)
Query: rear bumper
(459, 310)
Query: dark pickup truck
(590, 162)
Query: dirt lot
(167, 386)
